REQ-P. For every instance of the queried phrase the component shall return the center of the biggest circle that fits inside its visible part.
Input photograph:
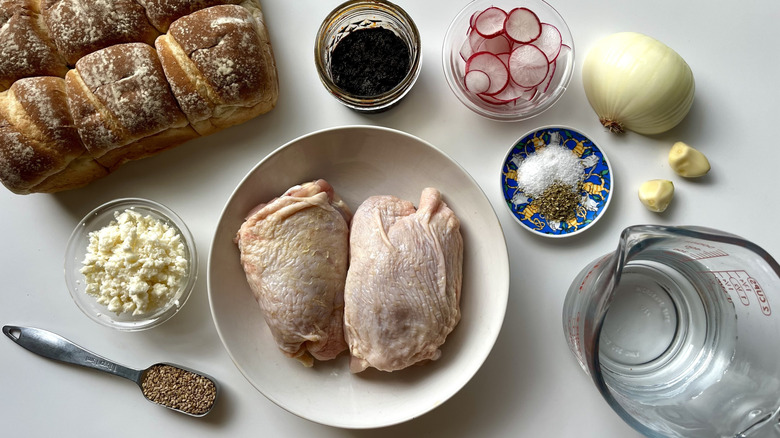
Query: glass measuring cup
(678, 331)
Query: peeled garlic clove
(656, 194)
(687, 161)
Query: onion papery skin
(635, 82)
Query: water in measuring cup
(669, 333)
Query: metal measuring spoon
(175, 387)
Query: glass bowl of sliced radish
(508, 60)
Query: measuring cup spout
(674, 329)
(764, 427)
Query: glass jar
(355, 15)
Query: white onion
(635, 82)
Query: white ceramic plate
(360, 161)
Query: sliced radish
(490, 22)
(510, 57)
(491, 99)
(530, 94)
(547, 80)
(522, 25)
(495, 45)
(528, 66)
(549, 41)
(564, 51)
(473, 19)
(493, 67)
(475, 39)
(477, 81)
(465, 50)
(511, 92)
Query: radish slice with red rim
(475, 40)
(490, 22)
(522, 25)
(492, 100)
(511, 92)
(495, 45)
(473, 20)
(529, 94)
(565, 50)
(549, 41)
(466, 50)
(477, 81)
(528, 66)
(548, 80)
(493, 67)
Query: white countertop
(530, 385)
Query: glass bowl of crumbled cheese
(131, 264)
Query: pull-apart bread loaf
(111, 81)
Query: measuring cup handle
(55, 347)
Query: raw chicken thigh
(402, 295)
(294, 251)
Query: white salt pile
(553, 163)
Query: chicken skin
(295, 253)
(402, 295)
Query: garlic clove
(687, 161)
(656, 194)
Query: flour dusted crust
(39, 144)
(118, 96)
(162, 13)
(220, 66)
(25, 47)
(80, 27)
(90, 88)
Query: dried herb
(369, 62)
(179, 389)
(559, 202)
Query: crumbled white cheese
(135, 264)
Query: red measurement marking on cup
(700, 250)
(591, 271)
(736, 284)
(574, 335)
(726, 287)
(587, 276)
(762, 299)
(741, 284)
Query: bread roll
(38, 141)
(80, 27)
(25, 47)
(118, 97)
(220, 65)
(162, 13)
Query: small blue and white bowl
(596, 189)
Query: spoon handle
(53, 346)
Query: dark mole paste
(368, 62)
